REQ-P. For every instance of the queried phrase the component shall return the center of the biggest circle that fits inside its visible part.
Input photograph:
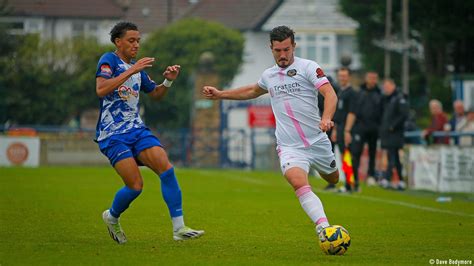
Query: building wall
(257, 58)
(61, 28)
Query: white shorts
(318, 156)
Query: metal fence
(234, 148)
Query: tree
(47, 82)
(443, 28)
(182, 43)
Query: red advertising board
(261, 116)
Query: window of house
(298, 46)
(14, 27)
(318, 47)
(78, 28)
(311, 47)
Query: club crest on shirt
(291, 72)
(320, 73)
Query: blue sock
(122, 200)
(171, 192)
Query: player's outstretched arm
(170, 74)
(106, 86)
(330, 102)
(243, 93)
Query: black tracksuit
(368, 114)
(395, 113)
(345, 104)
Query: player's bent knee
(136, 185)
(332, 178)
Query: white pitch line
(405, 204)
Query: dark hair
(282, 33)
(119, 30)
(345, 69)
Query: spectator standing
(346, 103)
(395, 114)
(362, 125)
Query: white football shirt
(294, 99)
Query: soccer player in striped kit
(294, 84)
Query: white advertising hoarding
(442, 168)
(19, 151)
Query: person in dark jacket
(362, 125)
(395, 113)
(346, 103)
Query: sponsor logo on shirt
(290, 88)
(320, 73)
(126, 92)
(105, 70)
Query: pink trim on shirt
(297, 125)
(281, 74)
(303, 190)
(321, 83)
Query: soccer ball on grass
(334, 240)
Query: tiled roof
(65, 8)
(236, 14)
(311, 15)
(153, 14)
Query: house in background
(60, 19)
(247, 16)
(323, 32)
(56, 19)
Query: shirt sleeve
(105, 67)
(262, 84)
(148, 85)
(315, 74)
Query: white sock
(312, 206)
(178, 222)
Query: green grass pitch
(51, 216)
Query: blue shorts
(122, 146)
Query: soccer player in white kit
(294, 84)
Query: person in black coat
(346, 103)
(362, 125)
(395, 113)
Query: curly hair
(119, 30)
